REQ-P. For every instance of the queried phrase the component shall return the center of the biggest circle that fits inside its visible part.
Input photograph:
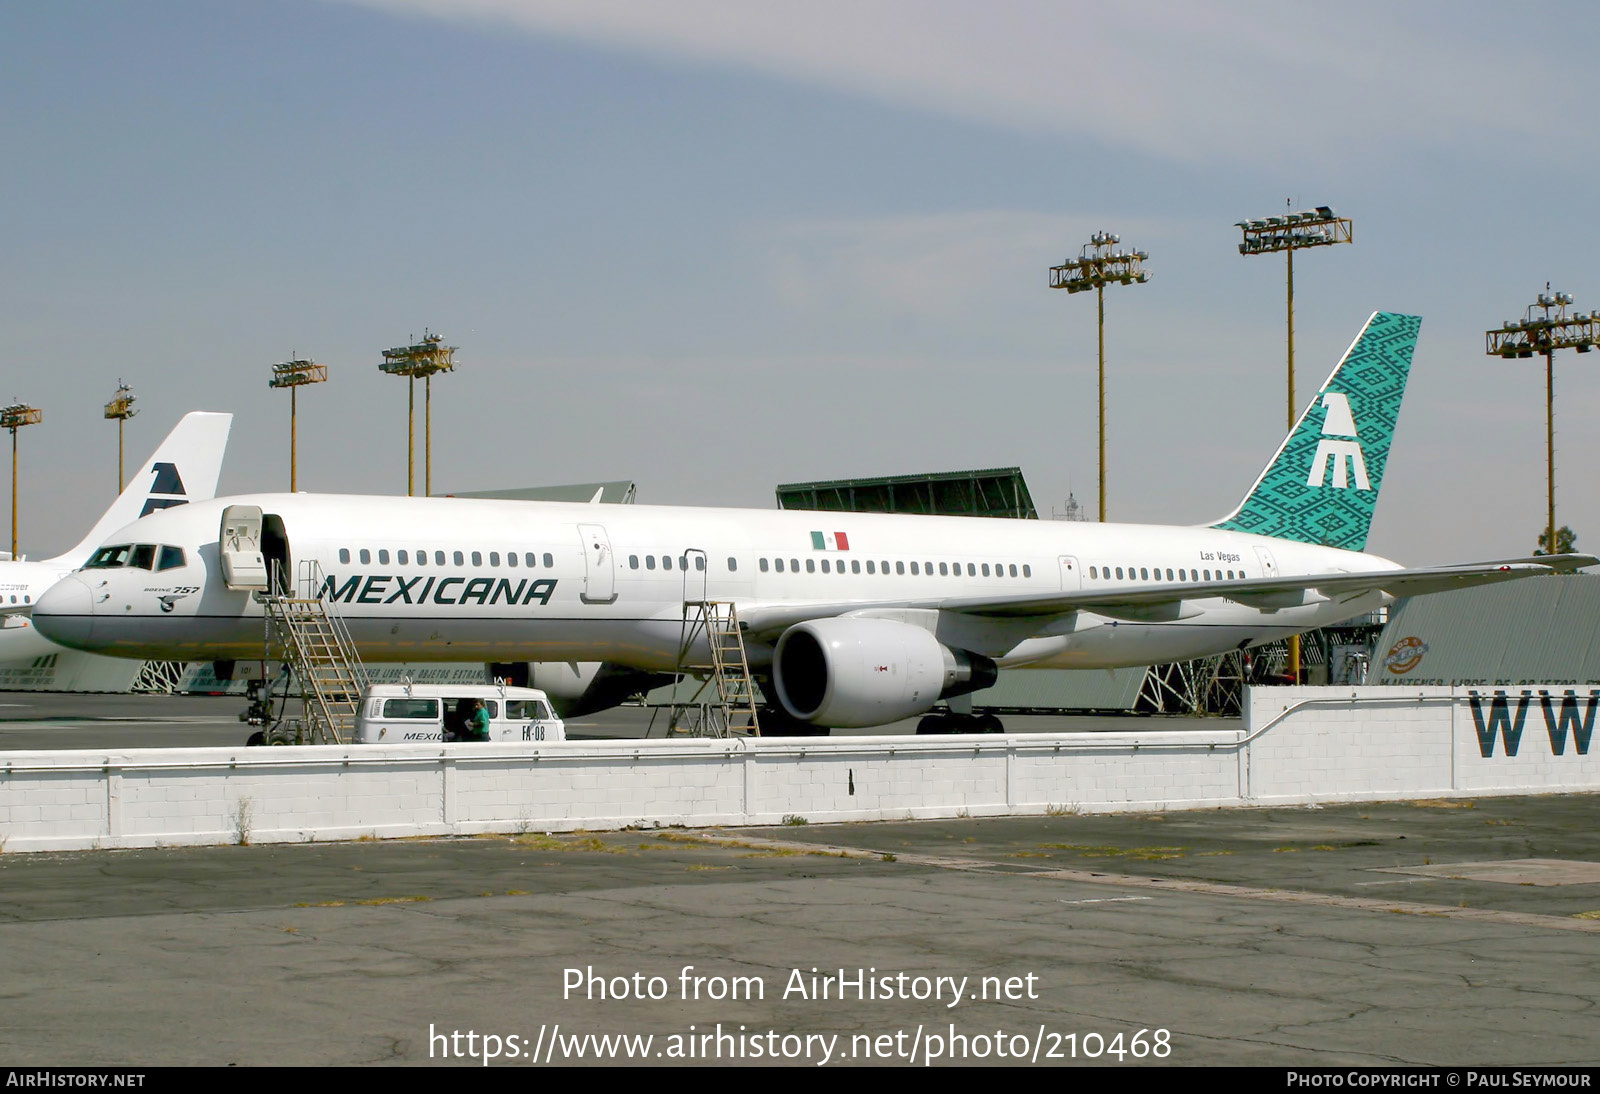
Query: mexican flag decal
(830, 541)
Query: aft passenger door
(1269, 567)
(599, 568)
(1071, 574)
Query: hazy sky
(716, 246)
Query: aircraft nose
(65, 613)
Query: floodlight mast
(1099, 264)
(121, 408)
(1291, 232)
(293, 375)
(14, 417)
(421, 359)
(1550, 330)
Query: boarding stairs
(727, 691)
(315, 644)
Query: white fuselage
(434, 579)
(21, 584)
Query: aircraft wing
(1173, 601)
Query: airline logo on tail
(1338, 422)
(167, 482)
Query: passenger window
(666, 562)
(794, 564)
(683, 561)
(1119, 573)
(633, 561)
(549, 561)
(530, 559)
(438, 558)
(825, 567)
(383, 558)
(459, 558)
(494, 558)
(344, 556)
(401, 557)
(972, 571)
(913, 569)
(899, 567)
(171, 558)
(511, 560)
(763, 565)
(733, 564)
(700, 562)
(855, 566)
(1144, 574)
(1027, 571)
(1013, 569)
(779, 563)
(985, 569)
(1092, 571)
(811, 565)
(411, 708)
(366, 557)
(1169, 575)
(422, 558)
(649, 562)
(872, 567)
(1208, 575)
(944, 569)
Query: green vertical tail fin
(1322, 486)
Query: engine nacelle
(850, 673)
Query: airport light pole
(1544, 333)
(121, 408)
(293, 375)
(1291, 232)
(14, 418)
(421, 359)
(1101, 263)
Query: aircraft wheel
(936, 723)
(989, 723)
(256, 738)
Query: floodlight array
(297, 372)
(420, 360)
(1101, 262)
(1319, 227)
(1546, 332)
(121, 405)
(16, 416)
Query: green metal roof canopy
(991, 492)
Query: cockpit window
(171, 558)
(143, 556)
(107, 558)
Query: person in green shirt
(478, 722)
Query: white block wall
(1299, 745)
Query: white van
(398, 713)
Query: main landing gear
(960, 723)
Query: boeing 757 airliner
(183, 470)
(850, 620)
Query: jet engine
(853, 672)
